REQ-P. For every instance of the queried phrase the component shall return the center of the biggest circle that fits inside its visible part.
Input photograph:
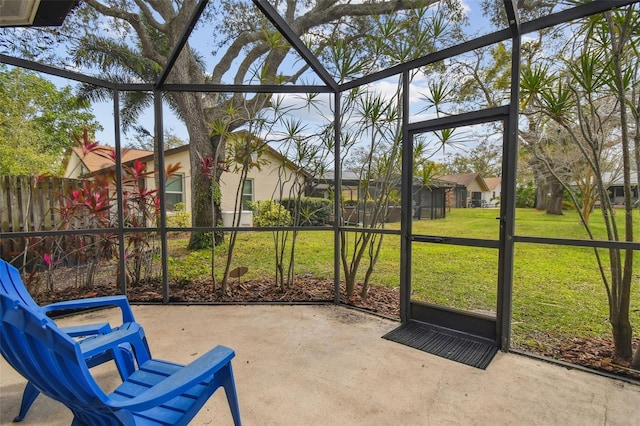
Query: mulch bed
(594, 353)
(379, 300)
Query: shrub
(270, 213)
(181, 218)
(526, 195)
(314, 211)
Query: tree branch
(149, 15)
(323, 13)
(133, 20)
(251, 57)
(232, 52)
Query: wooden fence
(29, 204)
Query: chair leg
(28, 396)
(226, 378)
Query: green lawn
(557, 289)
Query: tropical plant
(90, 207)
(594, 99)
(306, 153)
(244, 152)
(371, 143)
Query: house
(480, 192)
(323, 186)
(492, 197)
(80, 162)
(429, 201)
(261, 183)
(614, 182)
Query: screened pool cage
(492, 323)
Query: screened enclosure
(304, 145)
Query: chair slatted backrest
(11, 284)
(52, 361)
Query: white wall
(492, 197)
(265, 183)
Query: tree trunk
(622, 333)
(541, 194)
(541, 185)
(635, 362)
(556, 193)
(201, 145)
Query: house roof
(493, 182)
(330, 175)
(149, 154)
(351, 178)
(461, 178)
(436, 183)
(270, 150)
(466, 179)
(101, 157)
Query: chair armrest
(133, 335)
(179, 382)
(95, 302)
(87, 329)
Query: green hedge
(270, 213)
(314, 211)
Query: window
(174, 192)
(247, 194)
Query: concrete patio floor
(328, 365)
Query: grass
(557, 289)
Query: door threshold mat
(443, 343)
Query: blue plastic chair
(12, 286)
(157, 393)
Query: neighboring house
(429, 201)
(492, 197)
(614, 183)
(615, 187)
(323, 186)
(480, 192)
(261, 182)
(272, 175)
(80, 163)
